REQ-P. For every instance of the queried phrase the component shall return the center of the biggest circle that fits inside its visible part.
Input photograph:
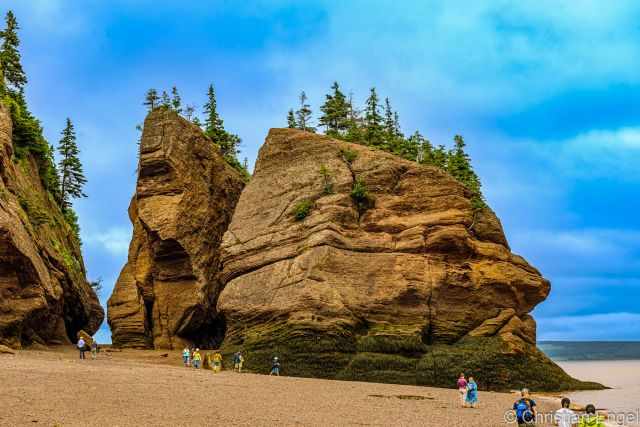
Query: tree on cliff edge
(214, 129)
(72, 176)
(13, 76)
(373, 131)
(151, 99)
(303, 115)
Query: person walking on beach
(197, 358)
(217, 362)
(94, 349)
(591, 419)
(275, 367)
(565, 417)
(462, 388)
(186, 357)
(472, 393)
(81, 347)
(238, 360)
(525, 408)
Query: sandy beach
(140, 388)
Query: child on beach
(525, 409)
(197, 358)
(462, 388)
(472, 393)
(94, 349)
(275, 367)
(591, 419)
(565, 417)
(186, 357)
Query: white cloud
(607, 326)
(114, 240)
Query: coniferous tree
(72, 176)
(151, 100)
(335, 112)
(439, 157)
(189, 110)
(13, 75)
(373, 132)
(176, 101)
(214, 129)
(303, 115)
(354, 122)
(165, 101)
(213, 125)
(291, 120)
(459, 166)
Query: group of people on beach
(191, 357)
(524, 408)
(83, 348)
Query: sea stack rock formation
(44, 295)
(352, 263)
(185, 196)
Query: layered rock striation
(44, 295)
(185, 196)
(352, 263)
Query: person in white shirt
(565, 417)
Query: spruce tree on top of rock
(151, 100)
(14, 77)
(176, 101)
(373, 132)
(303, 115)
(72, 176)
(291, 120)
(335, 112)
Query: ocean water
(614, 364)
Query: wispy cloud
(114, 240)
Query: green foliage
(360, 195)
(72, 175)
(291, 120)
(335, 113)
(348, 155)
(373, 129)
(71, 218)
(13, 76)
(35, 213)
(302, 208)
(151, 100)
(382, 130)
(303, 115)
(327, 180)
(176, 101)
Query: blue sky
(546, 93)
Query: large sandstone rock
(185, 196)
(44, 295)
(408, 286)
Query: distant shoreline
(575, 351)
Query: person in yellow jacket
(196, 358)
(217, 362)
(591, 419)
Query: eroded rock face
(408, 286)
(44, 295)
(185, 196)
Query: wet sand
(142, 388)
(623, 400)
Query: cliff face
(402, 284)
(44, 295)
(185, 196)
